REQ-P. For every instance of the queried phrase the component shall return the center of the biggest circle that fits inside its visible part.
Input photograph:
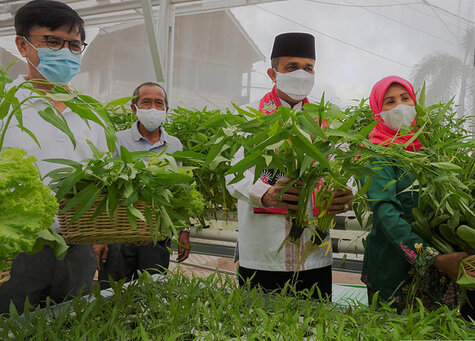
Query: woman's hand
(449, 263)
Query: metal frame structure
(158, 15)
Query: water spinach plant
(124, 181)
(207, 152)
(311, 148)
(215, 308)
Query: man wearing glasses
(50, 36)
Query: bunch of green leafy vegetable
(208, 154)
(306, 146)
(126, 180)
(214, 308)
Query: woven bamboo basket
(469, 259)
(101, 230)
(5, 274)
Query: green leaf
(51, 238)
(60, 97)
(310, 125)
(119, 102)
(7, 102)
(87, 201)
(57, 121)
(135, 212)
(33, 137)
(100, 209)
(369, 128)
(389, 184)
(305, 145)
(84, 200)
(112, 201)
(125, 155)
(447, 166)
(68, 183)
(67, 162)
(345, 127)
(95, 152)
(244, 164)
(132, 219)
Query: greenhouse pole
(166, 32)
(152, 40)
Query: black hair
(137, 89)
(47, 13)
(274, 62)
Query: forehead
(395, 89)
(151, 91)
(297, 60)
(65, 32)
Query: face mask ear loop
(28, 59)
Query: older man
(123, 261)
(261, 214)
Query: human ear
(21, 45)
(272, 74)
(134, 109)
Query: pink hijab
(382, 134)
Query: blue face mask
(57, 66)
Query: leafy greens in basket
(126, 180)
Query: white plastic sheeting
(219, 57)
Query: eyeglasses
(57, 43)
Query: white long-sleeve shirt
(261, 235)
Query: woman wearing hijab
(394, 252)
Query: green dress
(394, 253)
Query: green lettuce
(27, 206)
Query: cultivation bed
(175, 307)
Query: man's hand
(449, 263)
(341, 202)
(100, 250)
(289, 199)
(183, 251)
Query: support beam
(117, 12)
(152, 39)
(163, 35)
(171, 53)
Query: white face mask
(296, 84)
(152, 118)
(402, 115)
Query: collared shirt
(53, 142)
(133, 141)
(261, 235)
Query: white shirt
(54, 143)
(261, 235)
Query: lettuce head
(27, 206)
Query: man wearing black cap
(262, 215)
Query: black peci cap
(294, 44)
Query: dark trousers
(39, 275)
(271, 280)
(124, 261)
(468, 308)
